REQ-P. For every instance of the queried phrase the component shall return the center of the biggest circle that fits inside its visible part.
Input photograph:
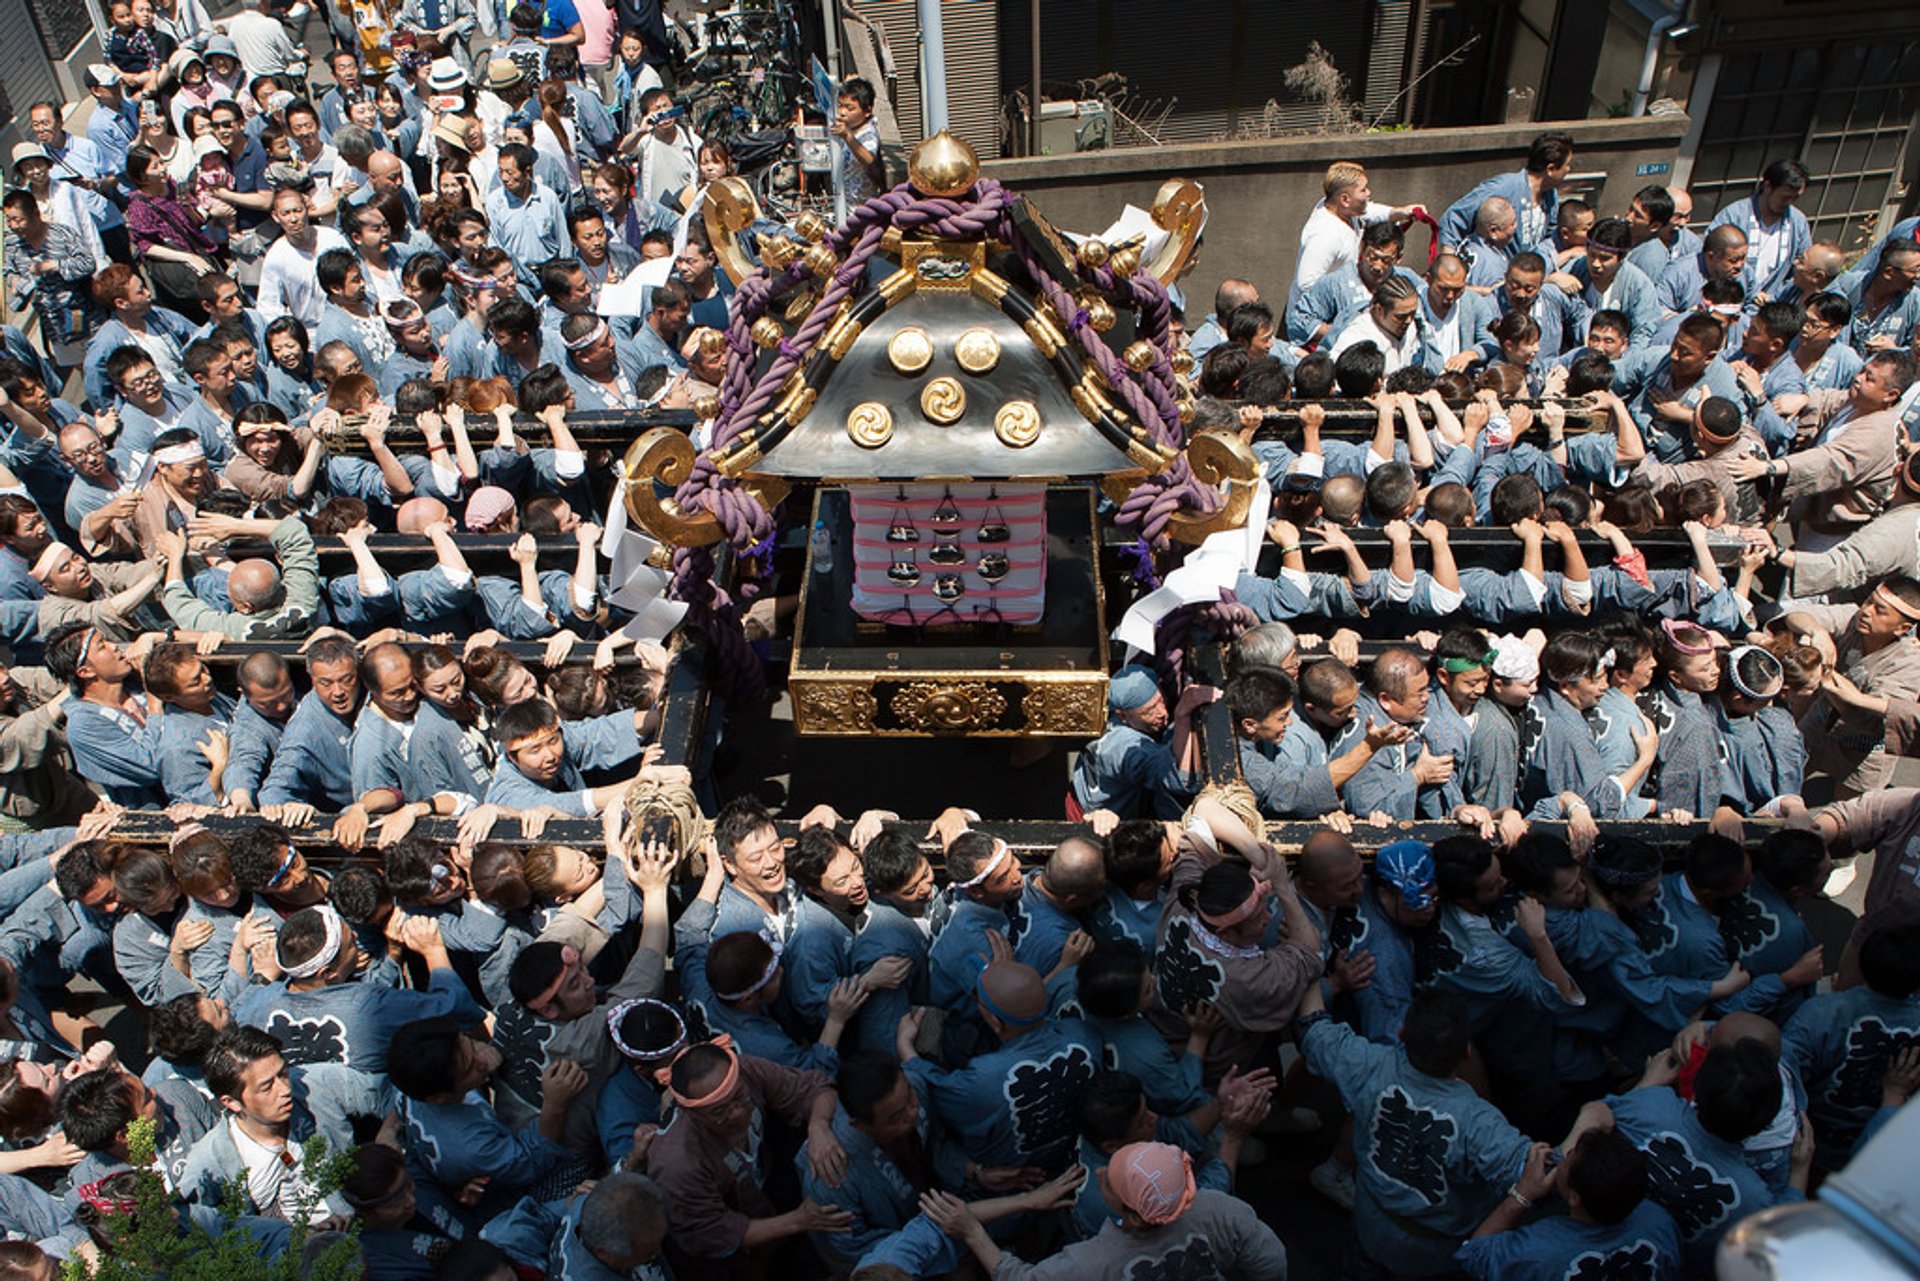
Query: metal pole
(1033, 94)
(839, 74)
(933, 67)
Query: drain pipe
(1650, 60)
(933, 68)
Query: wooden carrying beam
(1356, 419)
(1032, 839)
(612, 429)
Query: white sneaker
(1334, 1182)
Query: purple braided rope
(1223, 620)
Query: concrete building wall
(1259, 194)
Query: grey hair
(355, 143)
(621, 1207)
(1268, 645)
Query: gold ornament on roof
(870, 425)
(812, 227)
(821, 260)
(1139, 356)
(943, 401)
(777, 251)
(977, 351)
(1017, 424)
(706, 408)
(1092, 253)
(767, 332)
(713, 343)
(943, 165)
(910, 350)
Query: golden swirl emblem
(977, 351)
(1017, 424)
(943, 401)
(870, 425)
(910, 350)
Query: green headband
(1457, 665)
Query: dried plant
(1318, 80)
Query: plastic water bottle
(822, 548)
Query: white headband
(766, 976)
(1001, 852)
(51, 559)
(190, 451)
(589, 338)
(329, 947)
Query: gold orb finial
(1092, 253)
(943, 165)
(1140, 356)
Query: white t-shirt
(1363, 329)
(1328, 243)
(276, 1178)
(288, 285)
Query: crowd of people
(1527, 1049)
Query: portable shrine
(948, 436)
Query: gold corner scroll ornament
(948, 708)
(1017, 424)
(729, 208)
(1180, 209)
(664, 456)
(1221, 459)
(943, 401)
(870, 424)
(1065, 707)
(833, 707)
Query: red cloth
(1433, 241)
(1683, 1084)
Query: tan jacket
(1849, 479)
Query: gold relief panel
(1065, 707)
(834, 707)
(947, 708)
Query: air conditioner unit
(1067, 127)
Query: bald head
(1397, 672)
(384, 660)
(385, 168)
(263, 670)
(1232, 293)
(1825, 257)
(253, 586)
(416, 514)
(1731, 1029)
(1325, 855)
(1493, 217)
(1341, 497)
(1013, 997)
(1682, 206)
(1076, 873)
(1447, 269)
